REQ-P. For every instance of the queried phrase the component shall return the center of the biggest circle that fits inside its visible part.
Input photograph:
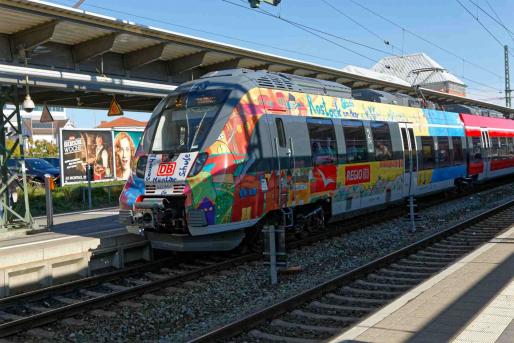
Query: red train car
(490, 146)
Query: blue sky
(444, 22)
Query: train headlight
(201, 158)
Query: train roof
(290, 82)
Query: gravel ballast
(197, 307)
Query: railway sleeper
(380, 285)
(327, 317)
(345, 308)
(277, 338)
(66, 300)
(114, 287)
(295, 326)
(475, 234)
(374, 293)
(448, 246)
(417, 267)
(393, 280)
(444, 251)
(156, 276)
(393, 272)
(412, 261)
(357, 300)
(8, 317)
(438, 259)
(443, 256)
(92, 294)
(468, 239)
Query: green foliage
(9, 144)
(71, 198)
(41, 148)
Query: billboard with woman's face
(125, 145)
(81, 147)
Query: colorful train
(232, 150)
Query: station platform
(78, 245)
(470, 301)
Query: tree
(41, 148)
(9, 144)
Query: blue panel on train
(447, 173)
(442, 123)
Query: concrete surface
(470, 301)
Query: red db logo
(166, 169)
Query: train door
(486, 156)
(284, 150)
(410, 159)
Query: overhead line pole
(507, 78)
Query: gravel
(198, 307)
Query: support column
(12, 180)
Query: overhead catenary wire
(364, 27)
(427, 40)
(315, 31)
(209, 32)
(307, 28)
(496, 20)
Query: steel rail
(285, 306)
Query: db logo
(166, 169)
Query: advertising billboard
(125, 146)
(79, 147)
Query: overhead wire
(426, 40)
(208, 32)
(496, 20)
(481, 24)
(364, 27)
(314, 31)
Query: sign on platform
(114, 108)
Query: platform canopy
(78, 58)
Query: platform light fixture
(28, 103)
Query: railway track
(328, 309)
(32, 309)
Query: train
(227, 153)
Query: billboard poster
(79, 147)
(125, 146)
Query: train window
(511, 147)
(427, 153)
(504, 148)
(476, 154)
(443, 151)
(355, 137)
(458, 153)
(323, 141)
(495, 142)
(382, 140)
(281, 133)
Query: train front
(157, 200)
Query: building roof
(402, 66)
(121, 122)
(374, 75)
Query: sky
(465, 48)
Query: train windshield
(185, 121)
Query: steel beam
(34, 36)
(12, 180)
(144, 56)
(231, 64)
(182, 64)
(93, 47)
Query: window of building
(355, 138)
(443, 151)
(427, 153)
(281, 133)
(382, 140)
(458, 153)
(323, 141)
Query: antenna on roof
(78, 3)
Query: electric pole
(507, 78)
